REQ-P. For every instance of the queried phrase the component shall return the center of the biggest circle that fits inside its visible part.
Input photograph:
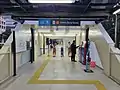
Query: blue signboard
(44, 22)
(58, 22)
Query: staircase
(9, 23)
(111, 56)
(110, 28)
(6, 61)
(4, 36)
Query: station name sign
(58, 22)
(65, 23)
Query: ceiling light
(115, 6)
(51, 1)
(117, 11)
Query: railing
(4, 36)
(5, 63)
(114, 63)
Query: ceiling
(82, 9)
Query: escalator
(110, 28)
(10, 25)
(4, 36)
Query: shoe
(74, 61)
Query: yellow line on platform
(37, 74)
(100, 86)
(35, 78)
(65, 82)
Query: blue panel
(58, 22)
(44, 22)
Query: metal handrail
(115, 53)
(4, 53)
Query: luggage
(92, 64)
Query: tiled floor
(59, 69)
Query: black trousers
(73, 57)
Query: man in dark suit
(73, 51)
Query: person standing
(54, 50)
(73, 51)
(62, 51)
(69, 49)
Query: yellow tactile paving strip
(35, 78)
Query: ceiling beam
(80, 5)
(68, 10)
(20, 17)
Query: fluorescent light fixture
(117, 11)
(51, 1)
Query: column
(32, 45)
(14, 54)
(43, 44)
(86, 47)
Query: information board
(44, 22)
(65, 23)
(58, 22)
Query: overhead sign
(58, 22)
(65, 23)
(44, 22)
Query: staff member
(73, 51)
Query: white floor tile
(59, 69)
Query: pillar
(14, 54)
(32, 45)
(86, 47)
(43, 44)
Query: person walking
(73, 51)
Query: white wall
(21, 39)
(95, 55)
(22, 35)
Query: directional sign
(58, 22)
(65, 23)
(44, 22)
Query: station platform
(58, 73)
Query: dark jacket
(73, 48)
